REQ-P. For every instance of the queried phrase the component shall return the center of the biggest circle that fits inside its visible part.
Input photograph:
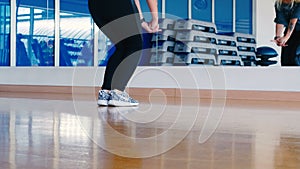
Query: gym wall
(237, 78)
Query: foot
(119, 98)
(103, 97)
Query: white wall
(228, 78)
(265, 26)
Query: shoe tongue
(122, 93)
(125, 94)
(118, 91)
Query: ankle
(106, 90)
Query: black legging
(119, 21)
(289, 55)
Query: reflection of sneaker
(118, 114)
(102, 112)
(121, 110)
(103, 98)
(119, 98)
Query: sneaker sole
(102, 103)
(121, 104)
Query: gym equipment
(195, 25)
(246, 46)
(164, 35)
(194, 59)
(166, 23)
(195, 43)
(227, 50)
(195, 47)
(226, 40)
(163, 46)
(194, 53)
(196, 36)
(245, 38)
(227, 55)
(229, 60)
(248, 58)
(264, 54)
(266, 62)
(162, 59)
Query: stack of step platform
(246, 45)
(195, 43)
(227, 50)
(163, 44)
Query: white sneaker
(103, 98)
(119, 98)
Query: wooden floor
(40, 131)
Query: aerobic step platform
(196, 36)
(224, 60)
(163, 46)
(164, 35)
(194, 59)
(162, 59)
(195, 25)
(166, 24)
(195, 47)
(248, 58)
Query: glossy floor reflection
(164, 133)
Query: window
(202, 10)
(146, 9)
(224, 15)
(177, 8)
(35, 28)
(244, 16)
(4, 32)
(105, 49)
(76, 34)
(35, 33)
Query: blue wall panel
(178, 8)
(202, 10)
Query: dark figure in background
(21, 53)
(38, 52)
(5, 54)
(65, 58)
(87, 54)
(288, 31)
(122, 22)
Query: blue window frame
(4, 32)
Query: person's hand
(150, 28)
(281, 41)
(146, 27)
(154, 26)
(276, 42)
